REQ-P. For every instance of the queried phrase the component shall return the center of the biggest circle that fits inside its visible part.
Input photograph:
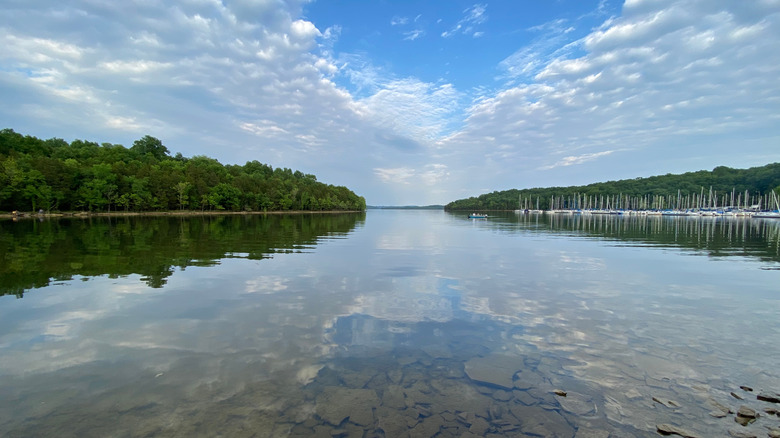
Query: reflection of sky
(408, 278)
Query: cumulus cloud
(664, 73)
(246, 80)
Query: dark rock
(668, 403)
(772, 411)
(746, 412)
(767, 397)
(736, 396)
(744, 421)
(746, 388)
(774, 433)
(668, 429)
(560, 392)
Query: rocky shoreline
(500, 395)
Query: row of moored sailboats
(638, 207)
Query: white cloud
(248, 80)
(417, 109)
(304, 30)
(428, 175)
(399, 21)
(413, 34)
(662, 75)
(473, 16)
(571, 160)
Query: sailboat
(770, 214)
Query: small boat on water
(477, 216)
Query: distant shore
(82, 214)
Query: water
(390, 323)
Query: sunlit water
(392, 323)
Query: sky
(407, 102)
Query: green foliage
(723, 181)
(54, 175)
(33, 253)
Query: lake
(389, 323)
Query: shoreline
(86, 214)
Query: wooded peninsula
(53, 175)
(722, 186)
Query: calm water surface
(389, 323)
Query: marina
(767, 207)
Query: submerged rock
(718, 414)
(720, 407)
(767, 397)
(668, 403)
(744, 421)
(741, 434)
(578, 404)
(502, 395)
(428, 427)
(668, 429)
(591, 433)
(497, 370)
(536, 421)
(392, 423)
(746, 412)
(479, 427)
(334, 405)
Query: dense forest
(53, 175)
(661, 191)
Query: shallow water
(392, 323)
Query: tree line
(54, 175)
(35, 253)
(756, 181)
